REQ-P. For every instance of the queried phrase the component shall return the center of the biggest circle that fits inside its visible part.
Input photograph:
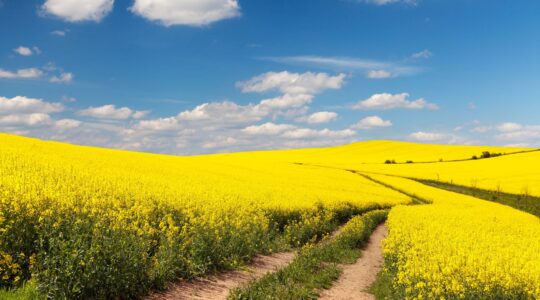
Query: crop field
(84, 222)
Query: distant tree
(410, 162)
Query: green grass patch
(28, 291)
(526, 203)
(316, 266)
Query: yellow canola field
(516, 173)
(98, 223)
(460, 247)
(377, 152)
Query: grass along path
(358, 277)
(316, 266)
(218, 286)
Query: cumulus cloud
(34, 119)
(321, 117)
(267, 129)
(287, 100)
(423, 136)
(77, 10)
(518, 133)
(64, 124)
(387, 101)
(292, 83)
(25, 105)
(186, 12)
(65, 77)
(379, 74)
(29, 73)
(371, 122)
(111, 112)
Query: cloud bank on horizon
(286, 101)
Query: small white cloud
(321, 117)
(59, 32)
(422, 54)
(65, 124)
(371, 122)
(77, 10)
(186, 12)
(387, 101)
(303, 133)
(62, 78)
(292, 83)
(111, 112)
(385, 2)
(30, 73)
(427, 136)
(267, 129)
(24, 51)
(379, 74)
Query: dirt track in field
(357, 278)
(217, 287)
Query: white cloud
(186, 12)
(292, 83)
(371, 122)
(34, 119)
(303, 133)
(30, 73)
(24, 105)
(161, 124)
(24, 51)
(386, 101)
(65, 77)
(287, 100)
(267, 129)
(78, 10)
(422, 54)
(510, 131)
(348, 63)
(65, 124)
(423, 136)
(385, 2)
(509, 127)
(111, 112)
(59, 32)
(321, 117)
(223, 112)
(379, 74)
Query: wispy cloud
(372, 68)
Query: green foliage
(316, 266)
(524, 202)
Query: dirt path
(218, 286)
(357, 278)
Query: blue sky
(203, 76)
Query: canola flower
(97, 223)
(460, 247)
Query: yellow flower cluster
(460, 247)
(101, 223)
